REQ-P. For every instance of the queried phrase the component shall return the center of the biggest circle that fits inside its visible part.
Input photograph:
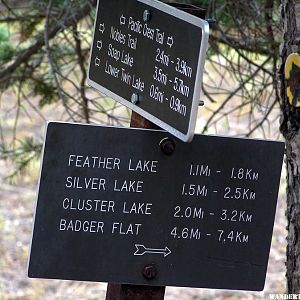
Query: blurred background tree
(44, 52)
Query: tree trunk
(290, 128)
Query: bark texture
(290, 128)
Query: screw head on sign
(135, 98)
(146, 15)
(150, 271)
(201, 103)
(167, 146)
(211, 21)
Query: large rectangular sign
(149, 56)
(112, 206)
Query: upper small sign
(150, 56)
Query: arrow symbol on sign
(122, 20)
(141, 250)
(170, 41)
(97, 61)
(102, 28)
(99, 45)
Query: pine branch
(64, 22)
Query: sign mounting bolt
(167, 146)
(135, 98)
(150, 271)
(201, 103)
(147, 15)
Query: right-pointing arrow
(170, 41)
(97, 61)
(122, 20)
(141, 250)
(99, 45)
(102, 28)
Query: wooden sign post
(132, 292)
(137, 292)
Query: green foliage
(46, 91)
(23, 155)
(7, 49)
(4, 34)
